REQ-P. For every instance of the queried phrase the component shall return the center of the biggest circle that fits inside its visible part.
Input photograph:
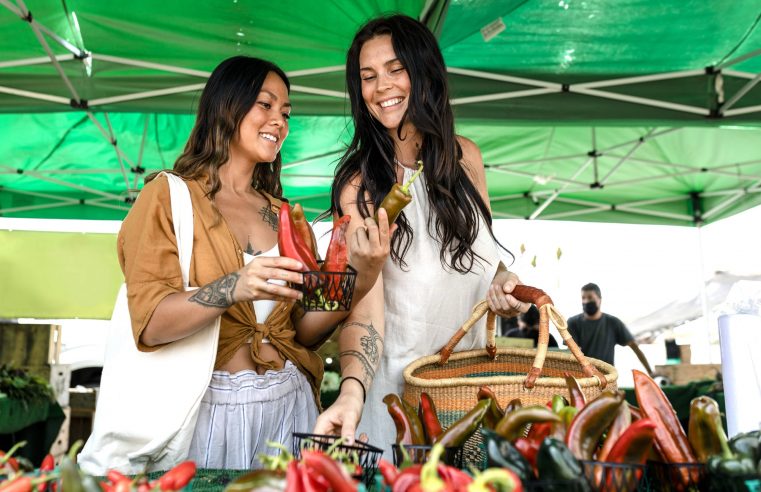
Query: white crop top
(263, 308)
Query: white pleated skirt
(240, 412)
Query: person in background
(507, 324)
(598, 333)
(528, 327)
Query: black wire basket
(679, 477)
(419, 454)
(616, 477)
(328, 291)
(359, 453)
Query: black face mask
(590, 308)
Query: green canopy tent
(584, 110)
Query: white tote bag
(148, 402)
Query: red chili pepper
(528, 449)
(389, 471)
(126, 486)
(115, 477)
(454, 478)
(48, 463)
(578, 399)
(669, 435)
(539, 430)
(337, 258)
(106, 486)
(634, 444)
(416, 426)
(429, 417)
(293, 477)
(289, 241)
(401, 421)
(495, 414)
(178, 477)
(20, 484)
(622, 422)
(332, 471)
(302, 226)
(407, 479)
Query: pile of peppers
(421, 426)
(296, 239)
(550, 442)
(434, 476)
(69, 478)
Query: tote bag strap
(182, 218)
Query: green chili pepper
(514, 423)
(501, 453)
(590, 423)
(705, 431)
(399, 197)
(747, 445)
(459, 432)
(554, 461)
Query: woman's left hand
(499, 299)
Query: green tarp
(80, 135)
(627, 111)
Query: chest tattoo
(269, 217)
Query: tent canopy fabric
(584, 109)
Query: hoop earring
(272, 167)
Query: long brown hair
(229, 95)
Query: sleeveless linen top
(424, 305)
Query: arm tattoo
(218, 293)
(370, 354)
(368, 373)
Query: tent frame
(542, 198)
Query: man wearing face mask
(598, 333)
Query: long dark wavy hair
(229, 95)
(454, 199)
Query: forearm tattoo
(369, 355)
(218, 293)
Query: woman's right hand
(253, 279)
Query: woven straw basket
(453, 381)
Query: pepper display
(399, 197)
(590, 423)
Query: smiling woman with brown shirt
(266, 378)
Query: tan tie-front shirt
(148, 257)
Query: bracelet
(364, 392)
